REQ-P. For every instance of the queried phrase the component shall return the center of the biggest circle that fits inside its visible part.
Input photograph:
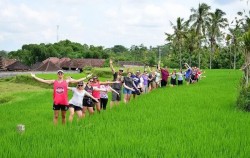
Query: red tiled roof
(54, 60)
(48, 66)
(80, 63)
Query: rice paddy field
(199, 120)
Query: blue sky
(96, 22)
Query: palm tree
(190, 42)
(177, 37)
(246, 38)
(236, 34)
(200, 21)
(216, 23)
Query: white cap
(60, 71)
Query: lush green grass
(199, 120)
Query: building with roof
(48, 66)
(17, 66)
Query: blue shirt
(188, 73)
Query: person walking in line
(180, 77)
(88, 103)
(60, 93)
(128, 87)
(173, 78)
(75, 103)
(117, 76)
(104, 95)
(136, 80)
(157, 78)
(145, 82)
(188, 73)
(96, 91)
(164, 75)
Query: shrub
(243, 101)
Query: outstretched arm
(42, 80)
(128, 87)
(111, 65)
(109, 82)
(71, 80)
(69, 88)
(89, 95)
(113, 90)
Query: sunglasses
(80, 85)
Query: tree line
(206, 39)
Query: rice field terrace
(199, 120)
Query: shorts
(76, 108)
(173, 81)
(87, 102)
(137, 92)
(127, 91)
(60, 107)
(163, 83)
(180, 82)
(116, 97)
(187, 79)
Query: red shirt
(95, 93)
(60, 95)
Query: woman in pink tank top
(96, 92)
(60, 93)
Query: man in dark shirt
(117, 76)
(164, 75)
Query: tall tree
(177, 38)
(216, 23)
(199, 19)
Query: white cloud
(98, 22)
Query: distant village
(54, 64)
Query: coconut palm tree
(199, 20)
(236, 33)
(216, 23)
(176, 38)
(190, 42)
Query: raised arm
(187, 65)
(71, 80)
(111, 65)
(149, 69)
(42, 80)
(159, 65)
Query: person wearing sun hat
(60, 93)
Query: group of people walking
(93, 95)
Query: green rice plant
(199, 120)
